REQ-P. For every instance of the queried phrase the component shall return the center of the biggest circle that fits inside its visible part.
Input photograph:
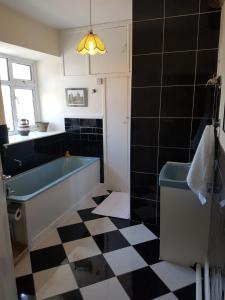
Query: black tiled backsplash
(83, 137)
(33, 153)
(3, 136)
(174, 54)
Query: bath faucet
(8, 190)
(19, 162)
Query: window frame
(21, 84)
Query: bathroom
(102, 149)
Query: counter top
(14, 139)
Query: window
(19, 91)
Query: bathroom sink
(174, 174)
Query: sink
(174, 174)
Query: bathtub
(49, 192)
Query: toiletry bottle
(67, 154)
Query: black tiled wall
(33, 153)
(85, 138)
(175, 47)
(3, 136)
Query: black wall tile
(209, 29)
(175, 132)
(143, 210)
(172, 154)
(143, 35)
(179, 68)
(204, 101)
(209, 6)
(178, 28)
(144, 185)
(144, 131)
(147, 9)
(145, 102)
(147, 70)
(198, 126)
(140, 161)
(206, 65)
(177, 101)
(178, 7)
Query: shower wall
(175, 49)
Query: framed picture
(77, 97)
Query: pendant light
(91, 43)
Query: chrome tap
(19, 162)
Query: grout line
(195, 78)
(174, 52)
(142, 172)
(177, 16)
(168, 86)
(160, 105)
(142, 198)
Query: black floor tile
(73, 295)
(87, 215)
(143, 284)
(48, 258)
(154, 228)
(122, 223)
(98, 200)
(25, 287)
(186, 293)
(73, 232)
(110, 241)
(177, 7)
(149, 251)
(91, 270)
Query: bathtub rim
(26, 198)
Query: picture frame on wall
(77, 97)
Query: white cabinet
(73, 63)
(116, 60)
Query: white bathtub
(50, 191)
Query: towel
(201, 173)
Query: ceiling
(63, 14)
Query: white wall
(52, 86)
(20, 30)
(221, 71)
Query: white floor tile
(169, 296)
(85, 204)
(124, 260)
(54, 281)
(80, 249)
(109, 289)
(52, 240)
(101, 225)
(73, 219)
(174, 276)
(137, 234)
(115, 205)
(23, 267)
(100, 190)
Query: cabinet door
(117, 134)
(116, 58)
(73, 63)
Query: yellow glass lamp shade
(91, 44)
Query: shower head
(216, 3)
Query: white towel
(201, 173)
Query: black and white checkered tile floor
(92, 257)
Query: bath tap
(19, 162)
(8, 190)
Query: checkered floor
(92, 257)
